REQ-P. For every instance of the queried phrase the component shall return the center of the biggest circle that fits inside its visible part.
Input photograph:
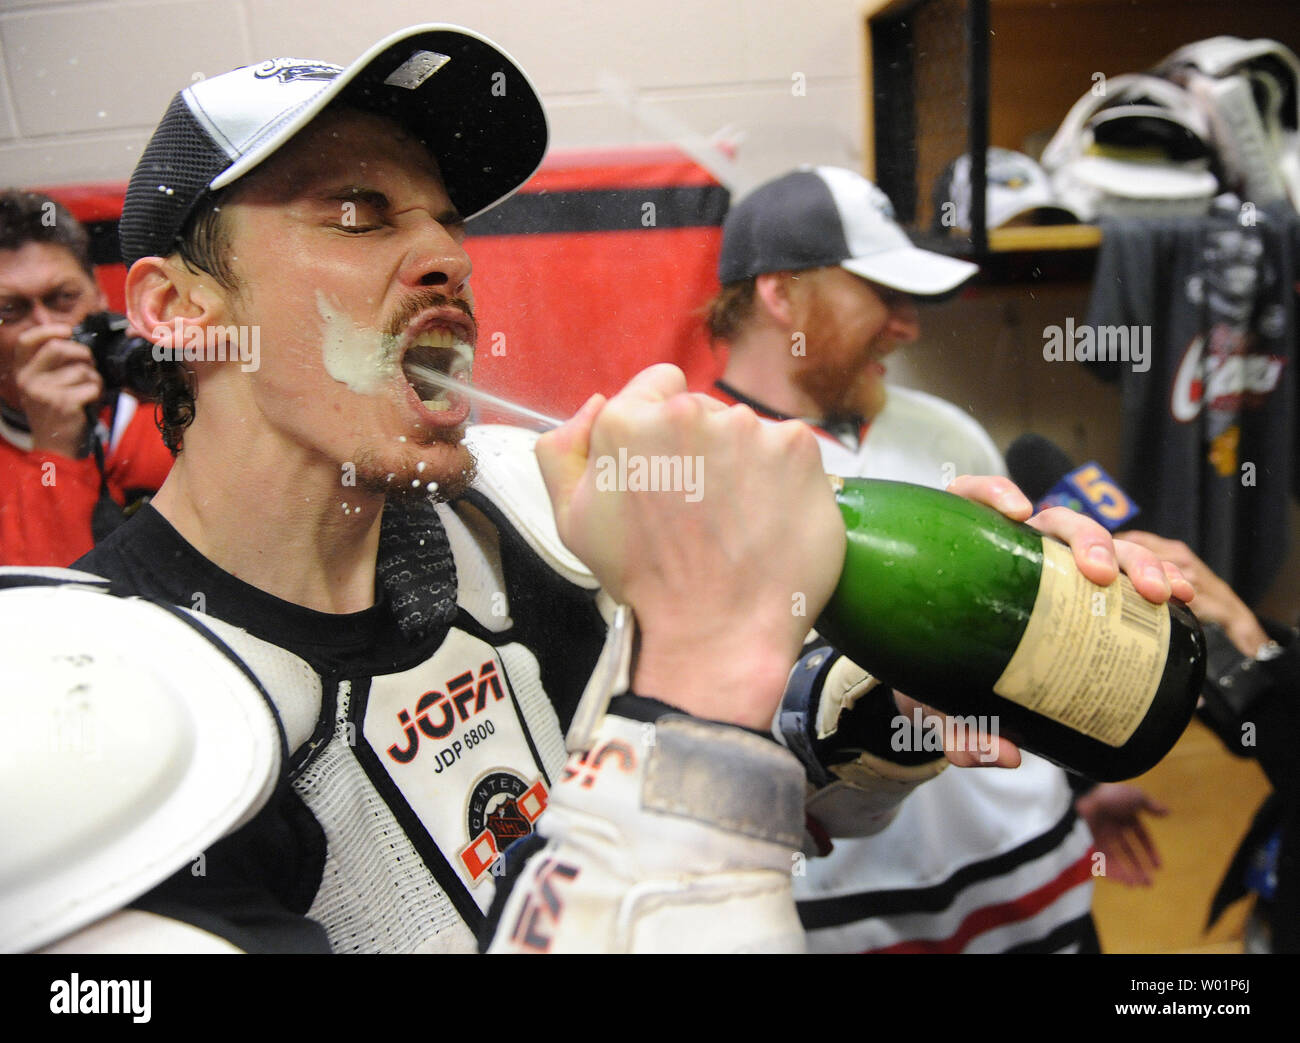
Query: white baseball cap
(457, 91)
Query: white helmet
(1250, 91)
(1138, 146)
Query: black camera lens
(121, 358)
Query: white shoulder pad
(42, 575)
(137, 932)
(509, 476)
(294, 687)
(132, 743)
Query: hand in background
(1215, 601)
(57, 380)
(1113, 813)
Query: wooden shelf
(1045, 237)
(1033, 254)
(930, 67)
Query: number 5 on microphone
(1104, 498)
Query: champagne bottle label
(1091, 657)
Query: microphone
(1047, 475)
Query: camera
(121, 358)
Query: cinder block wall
(84, 81)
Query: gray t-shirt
(1209, 436)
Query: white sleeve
(674, 836)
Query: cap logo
(880, 202)
(288, 69)
(416, 69)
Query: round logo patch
(494, 806)
(502, 808)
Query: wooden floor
(1212, 797)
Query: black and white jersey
(435, 742)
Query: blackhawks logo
(287, 70)
(502, 808)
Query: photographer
(65, 479)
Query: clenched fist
(719, 530)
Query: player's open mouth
(436, 352)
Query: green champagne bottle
(970, 612)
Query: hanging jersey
(1209, 426)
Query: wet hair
(204, 241)
(203, 246)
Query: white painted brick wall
(84, 82)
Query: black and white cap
(459, 93)
(814, 217)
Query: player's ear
(163, 295)
(774, 294)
